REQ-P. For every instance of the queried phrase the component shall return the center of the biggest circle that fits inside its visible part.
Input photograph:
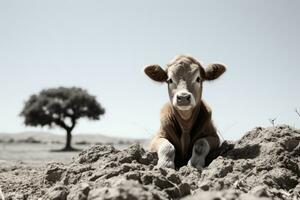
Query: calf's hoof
(166, 155)
(200, 150)
(197, 163)
(165, 164)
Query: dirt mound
(263, 164)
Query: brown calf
(186, 134)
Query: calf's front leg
(165, 151)
(200, 150)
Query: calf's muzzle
(183, 98)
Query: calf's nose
(184, 98)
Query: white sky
(102, 46)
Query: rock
(54, 172)
(174, 178)
(122, 190)
(147, 179)
(296, 192)
(205, 195)
(223, 195)
(184, 189)
(15, 196)
(133, 176)
(260, 191)
(173, 192)
(92, 154)
(79, 192)
(162, 183)
(58, 192)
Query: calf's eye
(170, 81)
(198, 79)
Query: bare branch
(272, 121)
(298, 112)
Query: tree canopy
(61, 107)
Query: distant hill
(47, 137)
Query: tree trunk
(68, 146)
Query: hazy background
(102, 46)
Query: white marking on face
(171, 75)
(186, 107)
(181, 81)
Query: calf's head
(184, 76)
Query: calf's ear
(214, 71)
(156, 73)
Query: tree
(61, 107)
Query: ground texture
(263, 164)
